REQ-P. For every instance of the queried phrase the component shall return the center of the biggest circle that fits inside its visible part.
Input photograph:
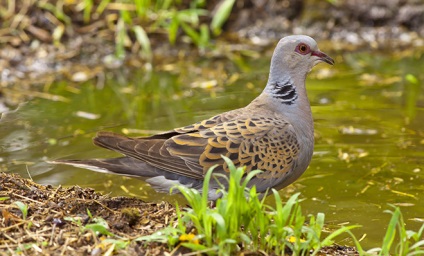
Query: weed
(409, 242)
(99, 226)
(242, 221)
(23, 208)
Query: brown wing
(257, 143)
(151, 150)
(147, 150)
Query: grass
(130, 23)
(99, 226)
(408, 242)
(241, 221)
(23, 208)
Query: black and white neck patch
(285, 91)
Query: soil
(56, 217)
(47, 227)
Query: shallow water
(368, 111)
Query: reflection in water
(369, 134)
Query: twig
(52, 235)
(10, 227)
(29, 174)
(65, 245)
(55, 192)
(11, 239)
(102, 205)
(27, 198)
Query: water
(368, 111)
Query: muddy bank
(57, 216)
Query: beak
(323, 57)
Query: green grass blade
(221, 15)
(120, 39)
(143, 40)
(173, 29)
(328, 240)
(88, 6)
(390, 233)
(102, 6)
(23, 208)
(417, 245)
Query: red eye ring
(303, 48)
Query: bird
(274, 134)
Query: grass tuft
(241, 221)
(408, 242)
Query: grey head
(293, 58)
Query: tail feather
(122, 166)
(160, 180)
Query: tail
(160, 180)
(123, 166)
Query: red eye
(302, 48)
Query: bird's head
(296, 55)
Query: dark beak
(323, 57)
